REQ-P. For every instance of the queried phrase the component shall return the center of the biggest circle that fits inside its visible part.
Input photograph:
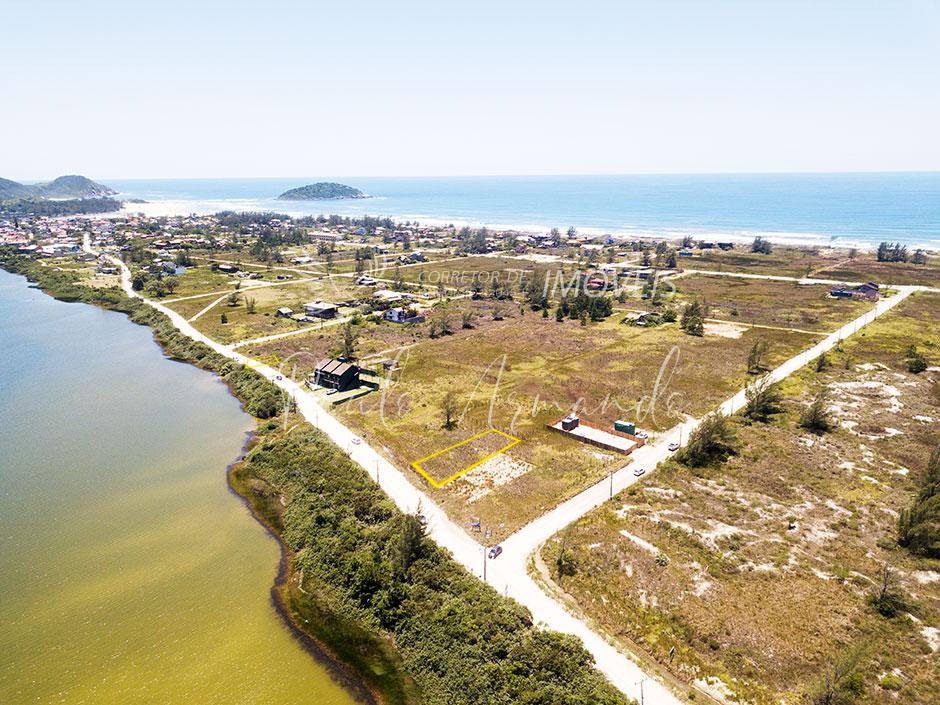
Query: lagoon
(129, 573)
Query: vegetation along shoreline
(359, 582)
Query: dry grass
(748, 599)
(521, 373)
(866, 267)
(773, 303)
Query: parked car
(642, 434)
(639, 471)
(673, 447)
(495, 551)
(356, 441)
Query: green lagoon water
(129, 574)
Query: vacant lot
(783, 261)
(460, 272)
(521, 373)
(758, 571)
(865, 267)
(241, 324)
(770, 303)
(200, 280)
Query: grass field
(521, 373)
(459, 273)
(783, 261)
(865, 267)
(243, 325)
(757, 571)
(771, 303)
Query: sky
(128, 89)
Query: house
(869, 291)
(301, 260)
(597, 283)
(400, 314)
(726, 246)
(228, 268)
(686, 253)
(337, 374)
(106, 269)
(387, 296)
(284, 312)
(321, 309)
(366, 280)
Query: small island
(322, 191)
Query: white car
(639, 471)
(642, 434)
(673, 447)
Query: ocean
(843, 209)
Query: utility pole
(611, 483)
(484, 564)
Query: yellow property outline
(270, 360)
(434, 483)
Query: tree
(887, 598)
(712, 440)
(822, 363)
(693, 319)
(816, 417)
(350, 336)
(919, 525)
(410, 544)
(233, 299)
(467, 319)
(671, 261)
(841, 682)
(916, 362)
(755, 359)
(920, 257)
(565, 564)
(223, 319)
(250, 303)
(764, 399)
(762, 246)
(449, 410)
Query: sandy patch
(642, 543)
(932, 635)
(925, 577)
(725, 330)
(494, 473)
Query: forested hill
(322, 190)
(71, 186)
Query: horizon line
(30, 181)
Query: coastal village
(504, 374)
